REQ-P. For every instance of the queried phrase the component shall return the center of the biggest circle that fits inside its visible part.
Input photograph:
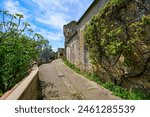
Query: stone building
(130, 68)
(45, 55)
(60, 52)
(75, 49)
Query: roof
(86, 12)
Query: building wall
(75, 48)
(72, 50)
(84, 54)
(61, 52)
(91, 11)
(85, 64)
(69, 30)
(116, 73)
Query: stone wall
(69, 30)
(72, 50)
(90, 12)
(119, 45)
(76, 51)
(61, 52)
(27, 89)
(132, 76)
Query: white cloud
(48, 16)
(56, 13)
(52, 13)
(54, 20)
(14, 7)
(51, 36)
(54, 49)
(49, 5)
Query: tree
(17, 49)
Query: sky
(47, 17)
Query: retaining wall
(27, 89)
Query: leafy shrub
(17, 49)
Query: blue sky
(47, 17)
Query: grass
(115, 89)
(1, 94)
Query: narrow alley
(58, 82)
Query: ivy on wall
(120, 29)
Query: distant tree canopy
(19, 47)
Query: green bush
(17, 49)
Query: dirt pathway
(58, 82)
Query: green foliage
(17, 50)
(115, 89)
(103, 37)
(72, 66)
(107, 9)
(126, 94)
(117, 39)
(146, 19)
(1, 93)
